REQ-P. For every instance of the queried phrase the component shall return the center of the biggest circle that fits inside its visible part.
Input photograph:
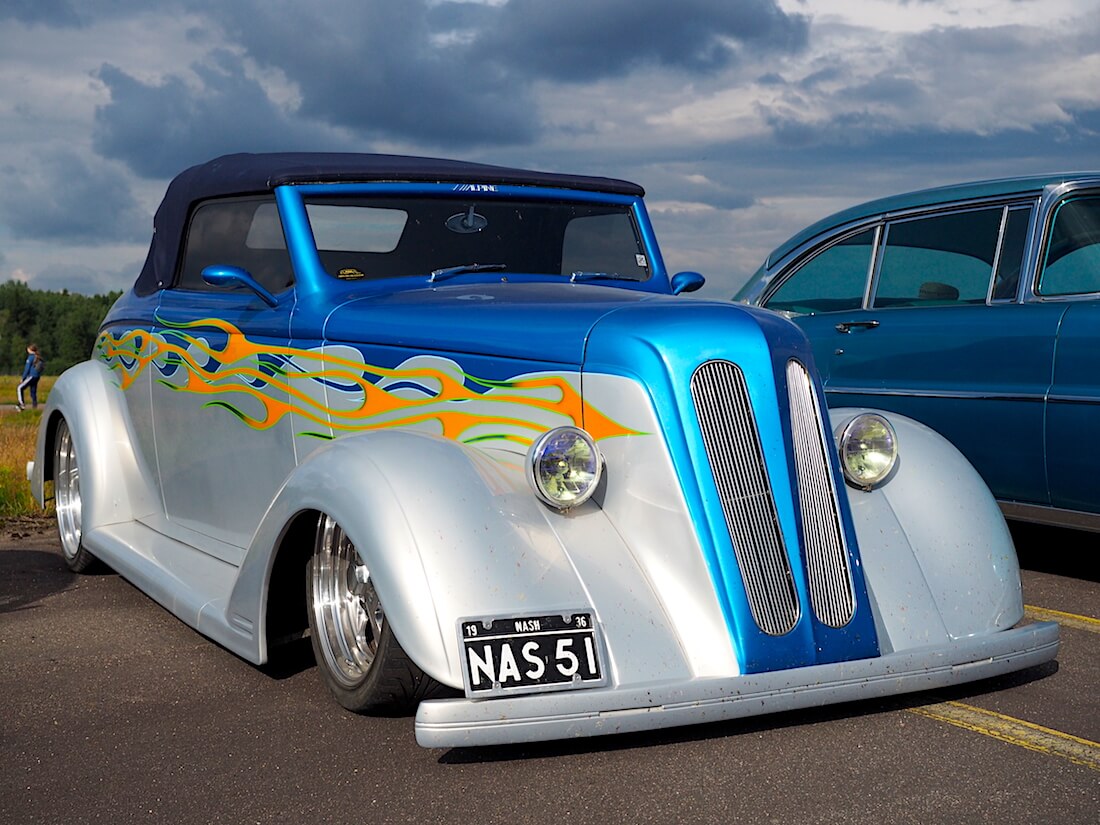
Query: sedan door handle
(846, 326)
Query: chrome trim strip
(955, 394)
(828, 573)
(737, 465)
(872, 265)
(997, 256)
(964, 395)
(1052, 516)
(1075, 399)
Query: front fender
(116, 484)
(938, 557)
(446, 531)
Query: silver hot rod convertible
(454, 423)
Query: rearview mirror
(229, 276)
(686, 282)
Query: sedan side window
(243, 232)
(833, 280)
(1072, 263)
(943, 259)
(1011, 259)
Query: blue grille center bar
(737, 463)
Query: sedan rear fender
(938, 557)
(116, 485)
(446, 532)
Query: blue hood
(532, 321)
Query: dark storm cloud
(887, 87)
(61, 197)
(159, 129)
(460, 74)
(682, 181)
(851, 155)
(47, 12)
(393, 71)
(582, 40)
(949, 47)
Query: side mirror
(229, 276)
(686, 282)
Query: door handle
(846, 326)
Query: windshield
(383, 237)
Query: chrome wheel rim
(346, 611)
(67, 500)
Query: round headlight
(868, 449)
(564, 467)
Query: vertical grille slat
(736, 459)
(830, 578)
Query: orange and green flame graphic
(336, 391)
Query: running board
(190, 584)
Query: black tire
(358, 657)
(68, 504)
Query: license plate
(528, 654)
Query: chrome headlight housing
(868, 449)
(564, 466)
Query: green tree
(63, 324)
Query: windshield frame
(312, 277)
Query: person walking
(32, 371)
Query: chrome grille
(830, 579)
(737, 464)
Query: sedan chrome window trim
(784, 269)
(870, 282)
(1050, 199)
(1006, 204)
(1029, 234)
(997, 256)
(791, 264)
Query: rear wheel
(358, 657)
(68, 502)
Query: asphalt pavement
(111, 710)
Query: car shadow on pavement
(28, 576)
(289, 659)
(1056, 550)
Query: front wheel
(358, 657)
(68, 502)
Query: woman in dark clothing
(32, 371)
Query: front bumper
(598, 712)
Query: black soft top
(249, 174)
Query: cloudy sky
(744, 119)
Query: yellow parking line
(1041, 614)
(1016, 732)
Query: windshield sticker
(640, 259)
(350, 274)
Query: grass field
(18, 431)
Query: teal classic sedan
(973, 309)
